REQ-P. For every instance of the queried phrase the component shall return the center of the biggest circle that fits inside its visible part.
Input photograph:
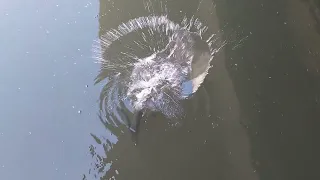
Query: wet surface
(255, 116)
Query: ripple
(152, 63)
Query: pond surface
(255, 116)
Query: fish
(160, 81)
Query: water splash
(152, 63)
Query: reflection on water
(263, 117)
(277, 84)
(46, 74)
(132, 50)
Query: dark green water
(263, 91)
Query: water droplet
(117, 172)
(57, 5)
(269, 77)
(29, 133)
(79, 112)
(87, 86)
(73, 107)
(78, 49)
(285, 23)
(3, 166)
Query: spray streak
(240, 43)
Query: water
(253, 115)
(45, 67)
